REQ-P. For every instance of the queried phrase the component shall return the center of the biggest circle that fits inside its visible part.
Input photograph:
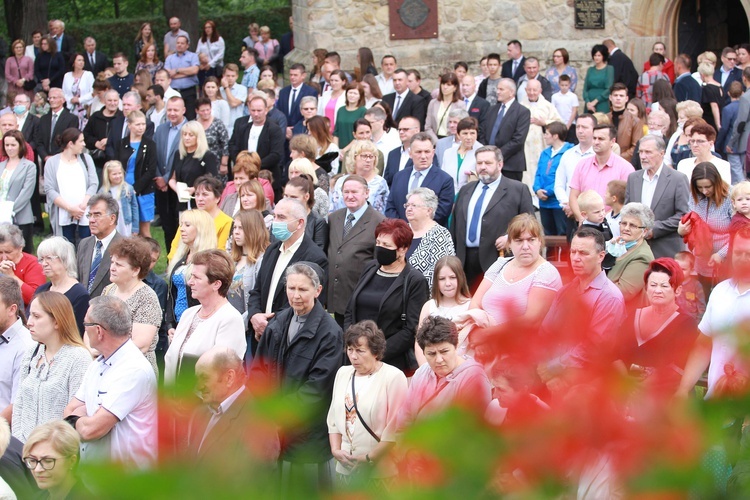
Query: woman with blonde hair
(303, 166)
(364, 157)
(52, 371)
(712, 96)
(197, 233)
(678, 142)
(250, 239)
(52, 453)
(193, 159)
(58, 258)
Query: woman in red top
(16, 263)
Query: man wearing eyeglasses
(93, 252)
(114, 409)
(728, 72)
(423, 173)
(662, 189)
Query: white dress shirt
(649, 186)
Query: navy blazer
(392, 163)
(734, 76)
(283, 103)
(413, 105)
(511, 136)
(507, 70)
(164, 157)
(115, 134)
(437, 180)
(687, 88)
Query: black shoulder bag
(359, 415)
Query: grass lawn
(156, 232)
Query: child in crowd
(113, 183)
(692, 300)
(615, 198)
(592, 209)
(566, 104)
(40, 106)
(740, 195)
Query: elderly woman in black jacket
(300, 353)
(391, 293)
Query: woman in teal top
(598, 81)
(346, 116)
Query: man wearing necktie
(95, 61)
(506, 126)
(93, 252)
(482, 212)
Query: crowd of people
(367, 248)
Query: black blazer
(115, 134)
(399, 335)
(270, 144)
(510, 199)
(282, 105)
(30, 130)
(478, 109)
(392, 163)
(307, 252)
(734, 76)
(145, 163)
(625, 71)
(511, 136)
(413, 105)
(100, 63)
(47, 138)
(67, 48)
(507, 69)
(317, 230)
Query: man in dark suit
(66, 44)
(93, 252)
(483, 210)
(686, 88)
(625, 71)
(268, 143)
(61, 118)
(291, 95)
(291, 245)
(668, 199)
(513, 67)
(286, 44)
(27, 123)
(94, 60)
(398, 159)
(223, 426)
(506, 126)
(475, 105)
(423, 173)
(404, 102)
(728, 72)
(351, 243)
(167, 139)
(118, 127)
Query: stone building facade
(468, 29)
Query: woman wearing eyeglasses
(51, 372)
(365, 156)
(52, 455)
(631, 252)
(431, 240)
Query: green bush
(117, 35)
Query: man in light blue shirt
(182, 67)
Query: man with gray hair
(93, 60)
(15, 341)
(422, 173)
(291, 245)
(114, 409)
(223, 428)
(531, 67)
(93, 252)
(664, 190)
(118, 127)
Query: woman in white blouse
(78, 87)
(51, 371)
(213, 322)
(211, 44)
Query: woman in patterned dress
(131, 261)
(51, 371)
(431, 240)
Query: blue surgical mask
(19, 109)
(281, 231)
(619, 248)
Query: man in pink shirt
(596, 171)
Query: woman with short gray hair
(17, 264)
(58, 259)
(431, 240)
(632, 253)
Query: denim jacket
(128, 206)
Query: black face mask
(385, 256)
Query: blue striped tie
(95, 264)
